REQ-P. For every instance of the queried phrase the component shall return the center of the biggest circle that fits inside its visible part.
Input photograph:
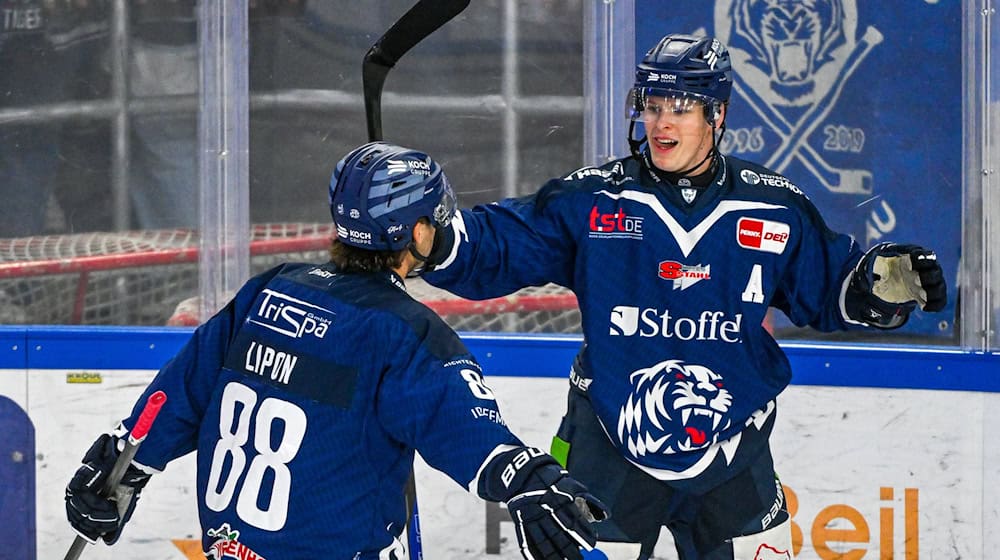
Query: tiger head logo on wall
(793, 59)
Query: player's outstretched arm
(892, 280)
(91, 514)
(551, 511)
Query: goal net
(144, 278)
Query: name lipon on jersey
(292, 369)
(268, 362)
(291, 316)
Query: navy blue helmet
(683, 67)
(378, 192)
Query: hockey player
(675, 254)
(306, 396)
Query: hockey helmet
(685, 69)
(378, 191)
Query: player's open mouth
(664, 143)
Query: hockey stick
(135, 437)
(425, 17)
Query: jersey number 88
(232, 438)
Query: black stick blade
(425, 17)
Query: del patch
(762, 235)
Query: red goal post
(143, 277)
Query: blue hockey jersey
(305, 398)
(672, 294)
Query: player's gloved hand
(91, 514)
(891, 281)
(551, 511)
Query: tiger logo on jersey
(674, 407)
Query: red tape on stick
(145, 421)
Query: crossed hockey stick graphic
(794, 138)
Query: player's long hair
(353, 259)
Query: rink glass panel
(499, 96)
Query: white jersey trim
(458, 227)
(503, 448)
(687, 240)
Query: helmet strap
(422, 259)
(427, 262)
(635, 145)
(416, 254)
(712, 154)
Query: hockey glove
(890, 281)
(91, 514)
(551, 511)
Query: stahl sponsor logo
(291, 317)
(617, 224)
(684, 275)
(627, 320)
(268, 362)
(762, 235)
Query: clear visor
(648, 104)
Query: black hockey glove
(890, 282)
(91, 514)
(551, 511)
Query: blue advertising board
(858, 105)
(17, 481)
